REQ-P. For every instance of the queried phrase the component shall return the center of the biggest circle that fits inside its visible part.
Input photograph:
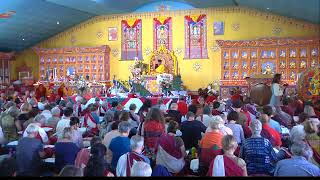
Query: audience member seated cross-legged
(182, 106)
(120, 145)
(298, 165)
(228, 164)
(174, 113)
(207, 117)
(134, 118)
(29, 153)
(64, 122)
(65, 150)
(243, 118)
(258, 152)
(171, 150)
(212, 138)
(297, 132)
(53, 121)
(32, 114)
(237, 130)
(97, 165)
(222, 126)
(92, 120)
(152, 128)
(84, 154)
(77, 135)
(215, 110)
(125, 116)
(269, 133)
(108, 138)
(270, 111)
(24, 113)
(126, 161)
(313, 140)
(309, 110)
(191, 131)
(42, 135)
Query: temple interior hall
(181, 88)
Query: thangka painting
(131, 41)
(268, 67)
(218, 28)
(162, 32)
(112, 34)
(196, 37)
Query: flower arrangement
(140, 67)
(214, 87)
(165, 81)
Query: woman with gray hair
(213, 138)
(65, 150)
(258, 152)
(298, 165)
(53, 121)
(29, 153)
(309, 110)
(141, 169)
(39, 121)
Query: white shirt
(206, 119)
(46, 114)
(121, 169)
(63, 123)
(41, 132)
(226, 130)
(107, 140)
(77, 138)
(277, 91)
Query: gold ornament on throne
(163, 61)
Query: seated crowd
(204, 138)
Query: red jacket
(271, 134)
(182, 108)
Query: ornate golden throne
(168, 58)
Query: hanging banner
(131, 41)
(162, 32)
(196, 37)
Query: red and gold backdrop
(86, 61)
(247, 58)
